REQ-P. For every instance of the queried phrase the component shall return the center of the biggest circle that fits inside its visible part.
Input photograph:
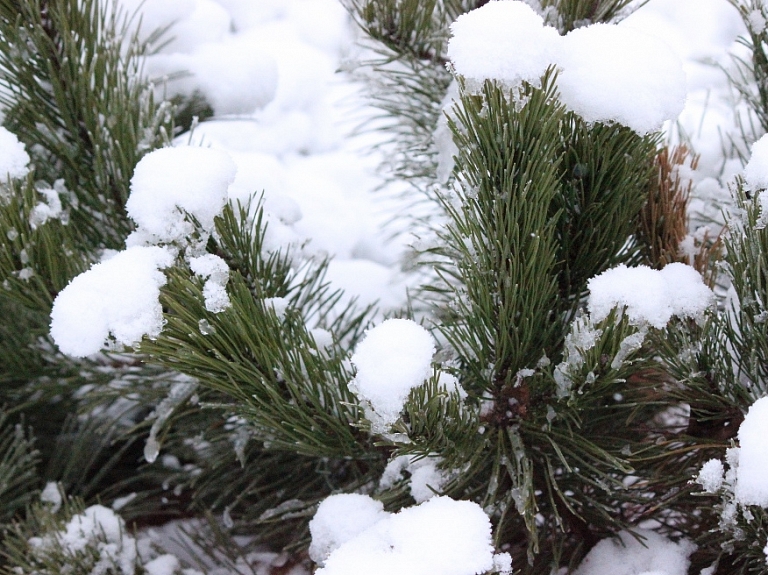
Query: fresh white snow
(393, 358)
(171, 183)
(653, 554)
(117, 301)
(752, 472)
(14, 160)
(607, 73)
(439, 537)
(648, 296)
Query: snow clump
(170, 183)
(611, 73)
(392, 359)
(96, 528)
(505, 41)
(116, 301)
(340, 518)
(14, 160)
(650, 297)
(439, 537)
(215, 271)
(752, 471)
(607, 72)
(756, 177)
(653, 554)
(711, 476)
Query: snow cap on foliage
(756, 170)
(752, 471)
(216, 270)
(505, 41)
(626, 555)
(117, 298)
(14, 160)
(612, 73)
(95, 529)
(756, 177)
(340, 518)
(607, 73)
(651, 297)
(711, 476)
(439, 537)
(171, 181)
(393, 358)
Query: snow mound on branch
(169, 183)
(756, 170)
(97, 528)
(752, 470)
(340, 518)
(117, 299)
(607, 73)
(439, 537)
(14, 160)
(612, 73)
(393, 358)
(650, 297)
(653, 555)
(506, 41)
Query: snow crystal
(612, 73)
(505, 41)
(97, 528)
(752, 470)
(651, 297)
(425, 477)
(340, 518)
(171, 181)
(117, 298)
(14, 160)
(214, 291)
(625, 555)
(711, 476)
(393, 358)
(52, 495)
(49, 209)
(439, 537)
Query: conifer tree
(577, 371)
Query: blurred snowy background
(270, 70)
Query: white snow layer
(169, 183)
(752, 471)
(654, 554)
(340, 518)
(117, 299)
(505, 41)
(756, 170)
(650, 297)
(96, 528)
(711, 476)
(14, 160)
(611, 73)
(439, 537)
(392, 359)
(607, 73)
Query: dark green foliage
(18, 469)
